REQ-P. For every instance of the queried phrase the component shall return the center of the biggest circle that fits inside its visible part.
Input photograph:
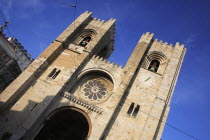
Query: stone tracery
(94, 89)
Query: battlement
(100, 22)
(97, 22)
(108, 25)
(147, 37)
(179, 45)
(113, 36)
(86, 13)
(106, 62)
(111, 20)
(165, 44)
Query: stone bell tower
(153, 68)
(71, 91)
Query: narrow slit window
(130, 108)
(56, 74)
(52, 73)
(5, 57)
(136, 110)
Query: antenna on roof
(3, 26)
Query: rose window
(94, 90)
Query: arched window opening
(154, 65)
(155, 61)
(85, 41)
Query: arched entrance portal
(65, 124)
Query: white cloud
(189, 42)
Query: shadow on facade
(62, 123)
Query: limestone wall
(152, 91)
(28, 98)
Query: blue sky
(36, 23)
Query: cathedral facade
(72, 92)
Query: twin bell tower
(71, 91)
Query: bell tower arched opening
(65, 123)
(85, 41)
(154, 65)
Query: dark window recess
(6, 78)
(130, 110)
(2, 80)
(15, 69)
(54, 73)
(154, 65)
(136, 110)
(85, 41)
(5, 57)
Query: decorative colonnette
(82, 103)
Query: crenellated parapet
(97, 22)
(179, 45)
(166, 45)
(102, 65)
(147, 37)
(106, 62)
(113, 34)
(107, 25)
